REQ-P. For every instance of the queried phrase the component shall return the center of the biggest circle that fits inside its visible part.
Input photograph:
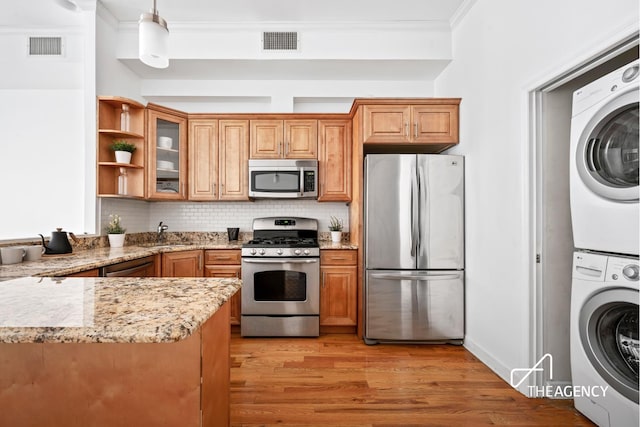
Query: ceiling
(287, 10)
(197, 14)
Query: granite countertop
(108, 310)
(63, 265)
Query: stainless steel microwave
(283, 179)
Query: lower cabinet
(338, 290)
(225, 263)
(94, 272)
(183, 264)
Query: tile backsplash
(140, 216)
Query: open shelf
(109, 130)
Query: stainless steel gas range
(281, 278)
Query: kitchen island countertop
(109, 310)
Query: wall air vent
(45, 46)
(280, 40)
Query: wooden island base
(184, 383)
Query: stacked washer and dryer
(605, 215)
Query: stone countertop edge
(109, 310)
(75, 262)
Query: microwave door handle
(301, 182)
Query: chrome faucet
(161, 229)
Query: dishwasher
(142, 267)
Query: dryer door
(607, 153)
(609, 335)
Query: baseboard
(494, 364)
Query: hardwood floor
(337, 380)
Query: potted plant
(335, 226)
(123, 150)
(115, 231)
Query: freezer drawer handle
(429, 277)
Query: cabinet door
(300, 139)
(234, 159)
(435, 123)
(203, 159)
(167, 164)
(334, 160)
(266, 139)
(182, 264)
(226, 271)
(338, 293)
(386, 123)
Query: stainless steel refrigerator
(414, 248)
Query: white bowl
(164, 164)
(165, 142)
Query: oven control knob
(279, 251)
(297, 252)
(253, 251)
(261, 252)
(631, 272)
(307, 251)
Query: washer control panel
(626, 269)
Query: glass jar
(122, 182)
(124, 118)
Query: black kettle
(59, 243)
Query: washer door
(607, 153)
(609, 337)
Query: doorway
(550, 123)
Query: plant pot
(116, 240)
(123, 157)
(336, 236)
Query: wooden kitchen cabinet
(334, 160)
(110, 128)
(433, 122)
(218, 160)
(223, 263)
(94, 272)
(203, 159)
(338, 290)
(166, 166)
(183, 264)
(233, 149)
(284, 139)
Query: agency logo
(520, 375)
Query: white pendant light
(153, 35)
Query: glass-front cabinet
(167, 147)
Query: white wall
(501, 50)
(112, 76)
(44, 116)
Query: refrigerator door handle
(423, 212)
(415, 202)
(417, 278)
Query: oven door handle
(280, 261)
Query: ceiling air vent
(45, 46)
(280, 40)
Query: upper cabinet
(334, 160)
(203, 159)
(433, 121)
(233, 148)
(218, 159)
(288, 139)
(167, 158)
(120, 119)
